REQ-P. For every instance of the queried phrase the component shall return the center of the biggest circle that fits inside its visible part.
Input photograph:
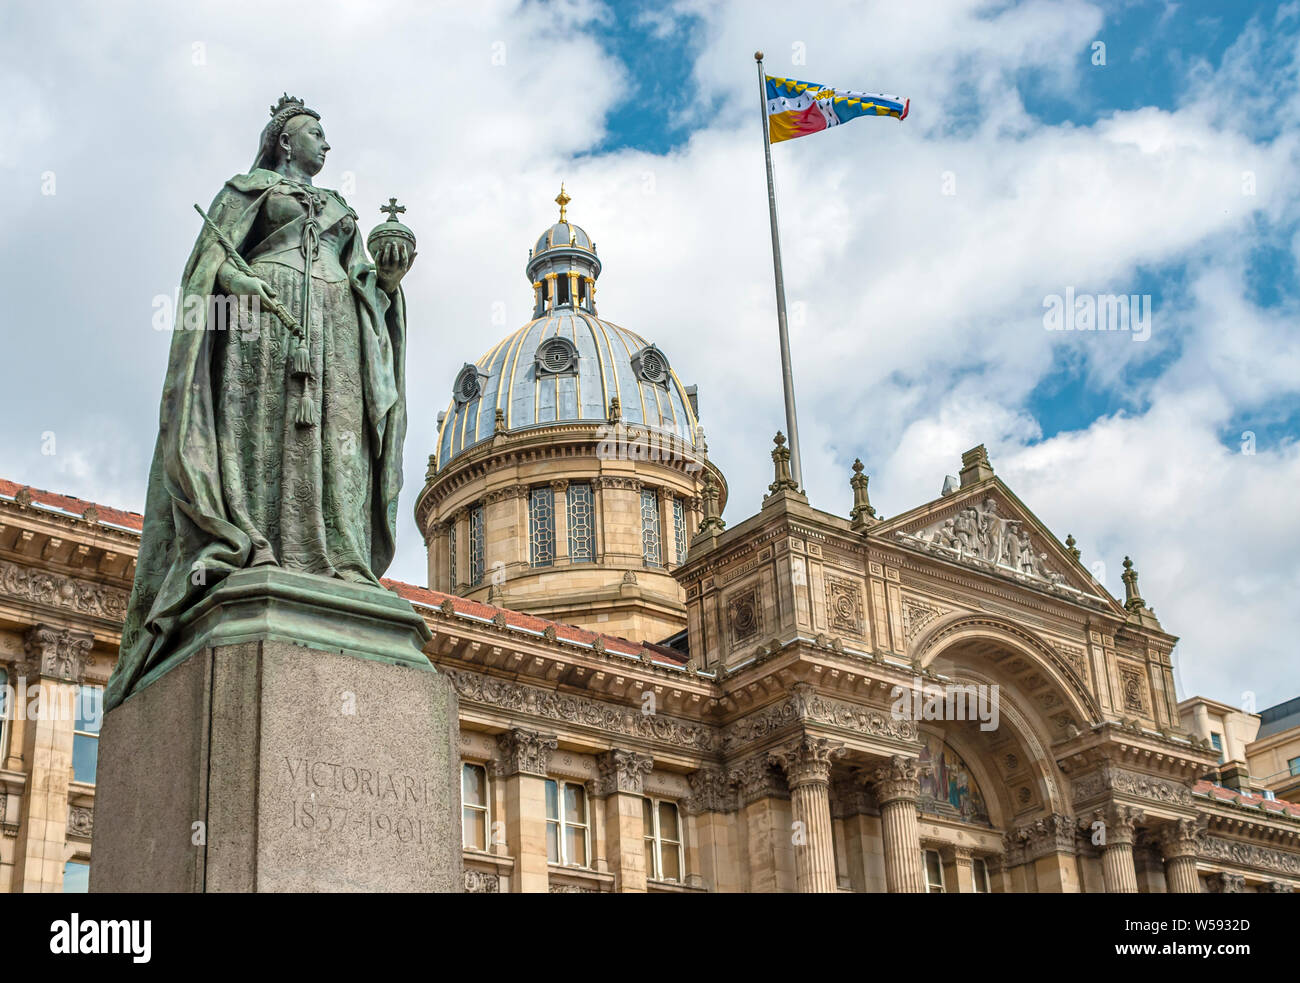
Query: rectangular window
(679, 529)
(933, 872)
(651, 544)
(76, 877)
(85, 733)
(474, 806)
(451, 555)
(980, 873)
(582, 547)
(567, 829)
(541, 527)
(663, 840)
(476, 545)
(1293, 765)
(1217, 741)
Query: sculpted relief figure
(279, 443)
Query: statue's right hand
(243, 285)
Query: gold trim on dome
(640, 391)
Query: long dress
(236, 480)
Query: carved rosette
(900, 779)
(621, 771)
(712, 790)
(806, 760)
(1182, 838)
(756, 779)
(56, 653)
(81, 820)
(525, 752)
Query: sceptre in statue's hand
(392, 246)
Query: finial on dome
(562, 200)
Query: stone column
(712, 804)
(55, 663)
(525, 757)
(897, 787)
(807, 765)
(1179, 845)
(621, 781)
(1115, 839)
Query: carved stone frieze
(525, 752)
(55, 590)
(503, 694)
(481, 882)
(567, 888)
(1248, 855)
(56, 653)
(805, 705)
(1109, 778)
(621, 771)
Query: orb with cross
(390, 231)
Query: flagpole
(787, 377)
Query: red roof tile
(74, 506)
(1207, 788)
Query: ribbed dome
(563, 234)
(536, 380)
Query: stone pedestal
(259, 764)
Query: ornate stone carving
(525, 752)
(81, 820)
(1039, 838)
(1133, 689)
(843, 605)
(916, 615)
(1182, 838)
(1227, 884)
(1277, 887)
(621, 771)
(1119, 823)
(1248, 855)
(481, 882)
(756, 778)
(806, 760)
(806, 705)
(572, 889)
(744, 615)
(712, 790)
(55, 590)
(611, 719)
(56, 653)
(900, 779)
(1074, 657)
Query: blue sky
(916, 314)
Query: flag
(795, 109)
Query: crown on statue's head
(286, 109)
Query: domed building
(571, 469)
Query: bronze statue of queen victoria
(279, 446)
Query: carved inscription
(340, 799)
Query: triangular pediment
(986, 527)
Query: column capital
(621, 771)
(806, 760)
(56, 653)
(1119, 824)
(1039, 838)
(1224, 883)
(756, 779)
(525, 752)
(900, 779)
(712, 790)
(1182, 838)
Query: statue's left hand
(392, 262)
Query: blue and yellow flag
(795, 109)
